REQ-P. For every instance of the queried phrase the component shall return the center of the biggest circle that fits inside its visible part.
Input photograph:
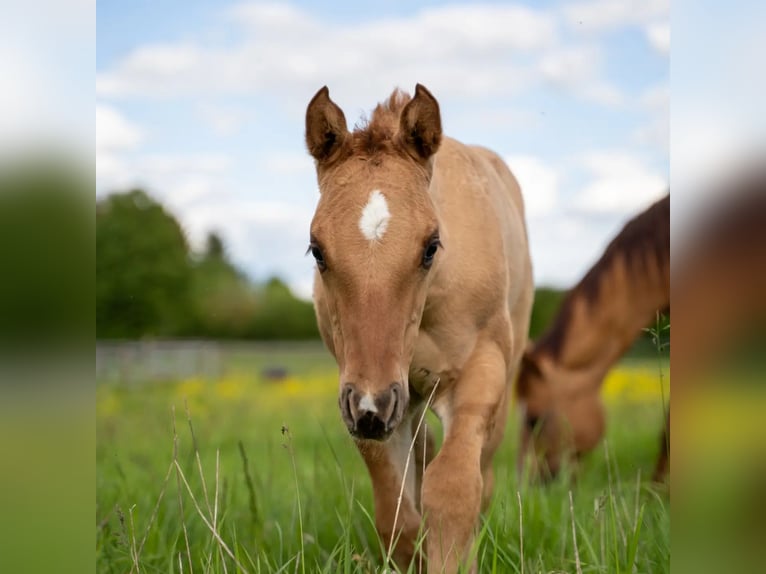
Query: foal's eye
(316, 252)
(430, 250)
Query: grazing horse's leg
(385, 462)
(453, 484)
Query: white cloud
(270, 17)
(620, 184)
(579, 70)
(559, 244)
(602, 93)
(285, 47)
(178, 179)
(538, 181)
(114, 131)
(111, 172)
(175, 165)
(658, 35)
(224, 120)
(655, 101)
(655, 134)
(656, 98)
(567, 66)
(288, 163)
(600, 15)
(115, 134)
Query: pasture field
(239, 473)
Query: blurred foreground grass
(252, 449)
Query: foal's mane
(644, 242)
(378, 133)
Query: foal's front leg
(453, 483)
(385, 461)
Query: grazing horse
(423, 292)
(561, 375)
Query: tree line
(151, 284)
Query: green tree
(280, 315)
(546, 306)
(224, 298)
(143, 274)
(214, 247)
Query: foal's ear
(325, 126)
(420, 125)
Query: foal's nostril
(371, 415)
(344, 401)
(393, 418)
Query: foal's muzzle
(372, 416)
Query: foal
(423, 290)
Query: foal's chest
(433, 364)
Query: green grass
(275, 475)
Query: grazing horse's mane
(378, 133)
(644, 243)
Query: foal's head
(562, 414)
(375, 238)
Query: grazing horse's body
(423, 289)
(561, 375)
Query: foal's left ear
(326, 129)
(420, 125)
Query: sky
(202, 104)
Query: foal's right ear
(325, 126)
(420, 125)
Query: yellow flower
(231, 387)
(190, 387)
(627, 383)
(107, 405)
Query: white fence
(131, 361)
(145, 361)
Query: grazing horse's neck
(600, 329)
(619, 296)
